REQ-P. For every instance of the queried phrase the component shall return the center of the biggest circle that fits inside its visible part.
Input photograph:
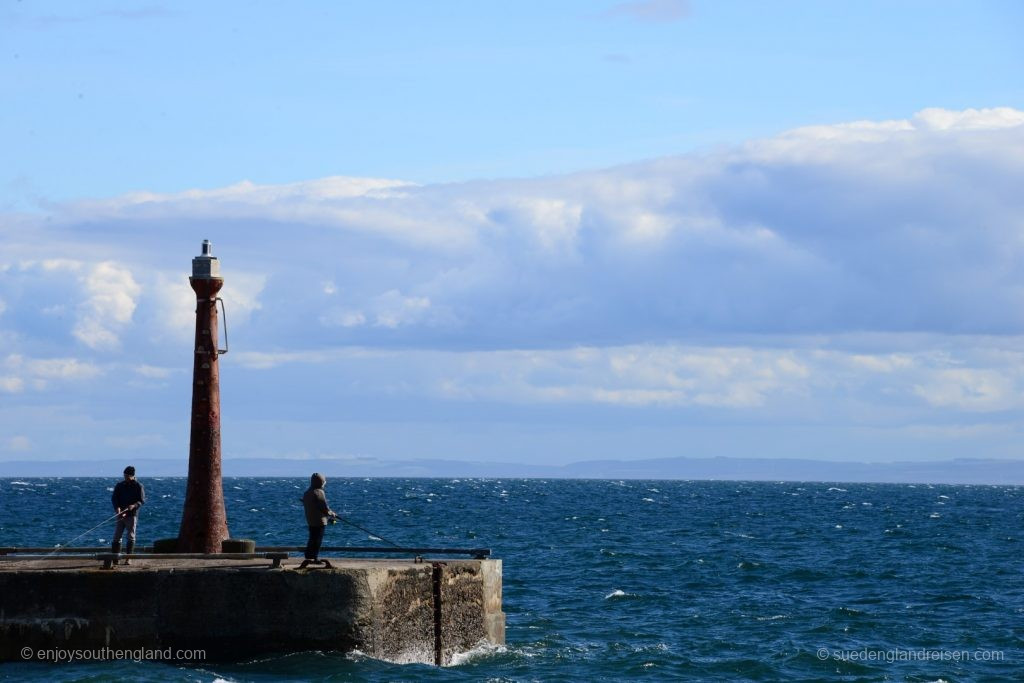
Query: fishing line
(366, 530)
(60, 546)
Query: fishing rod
(106, 521)
(373, 535)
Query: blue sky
(537, 232)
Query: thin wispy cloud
(47, 21)
(618, 58)
(657, 11)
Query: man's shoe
(127, 561)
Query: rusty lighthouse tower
(204, 522)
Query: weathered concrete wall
(385, 608)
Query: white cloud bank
(847, 270)
(896, 226)
(987, 378)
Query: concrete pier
(396, 610)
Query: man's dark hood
(317, 481)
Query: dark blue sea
(635, 580)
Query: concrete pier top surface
(88, 563)
(394, 609)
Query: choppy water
(624, 580)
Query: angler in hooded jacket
(317, 514)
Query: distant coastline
(956, 471)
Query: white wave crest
(482, 649)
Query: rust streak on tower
(204, 521)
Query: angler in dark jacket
(128, 496)
(318, 512)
